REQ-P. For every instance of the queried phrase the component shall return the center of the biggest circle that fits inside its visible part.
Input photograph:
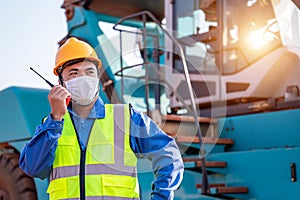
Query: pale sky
(30, 31)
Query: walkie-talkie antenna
(68, 99)
(51, 85)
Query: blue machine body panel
(265, 146)
(22, 109)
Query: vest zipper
(82, 163)
(82, 174)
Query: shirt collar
(97, 112)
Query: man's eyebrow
(72, 69)
(90, 68)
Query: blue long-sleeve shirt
(146, 140)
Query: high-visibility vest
(105, 170)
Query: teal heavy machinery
(230, 65)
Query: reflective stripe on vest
(110, 164)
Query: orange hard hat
(74, 49)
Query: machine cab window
(224, 36)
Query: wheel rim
(3, 195)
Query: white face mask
(83, 89)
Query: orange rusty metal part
(117, 8)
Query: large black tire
(14, 183)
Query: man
(89, 150)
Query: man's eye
(73, 74)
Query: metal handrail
(205, 185)
(160, 75)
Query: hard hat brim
(61, 66)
